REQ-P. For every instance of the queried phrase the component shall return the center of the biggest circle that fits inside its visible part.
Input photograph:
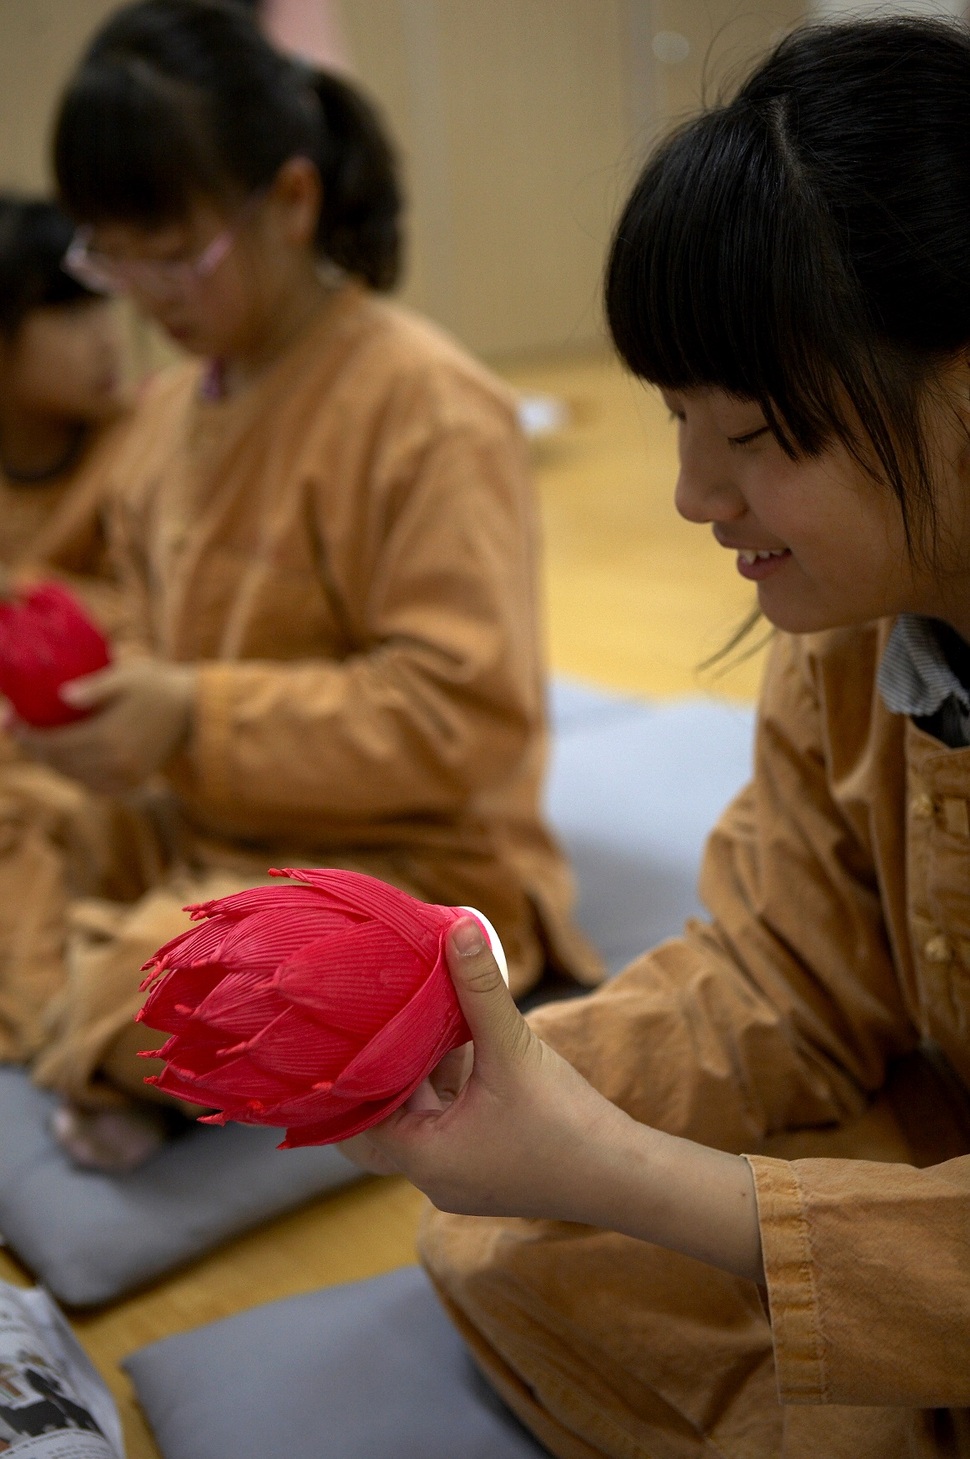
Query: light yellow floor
(635, 600)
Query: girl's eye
(748, 437)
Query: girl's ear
(298, 195)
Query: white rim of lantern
(495, 942)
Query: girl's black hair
(181, 99)
(807, 245)
(34, 236)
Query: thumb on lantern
(479, 971)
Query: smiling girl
(793, 270)
(324, 527)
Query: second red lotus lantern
(320, 1006)
(46, 639)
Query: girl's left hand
(143, 716)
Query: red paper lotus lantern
(319, 1006)
(46, 639)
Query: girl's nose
(704, 494)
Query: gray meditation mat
(90, 1237)
(633, 790)
(373, 1370)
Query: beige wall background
(521, 123)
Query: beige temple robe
(789, 1028)
(348, 552)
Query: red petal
(301, 1049)
(342, 1124)
(417, 923)
(181, 1086)
(302, 1108)
(267, 939)
(355, 980)
(410, 1045)
(194, 945)
(172, 1000)
(273, 898)
(241, 1003)
(234, 1081)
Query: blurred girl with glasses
(324, 527)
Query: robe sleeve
(441, 697)
(868, 1274)
(783, 1012)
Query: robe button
(922, 806)
(937, 949)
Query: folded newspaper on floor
(53, 1402)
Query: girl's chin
(790, 616)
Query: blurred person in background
(64, 406)
(325, 531)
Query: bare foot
(113, 1140)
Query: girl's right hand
(507, 1128)
(501, 1125)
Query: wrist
(656, 1187)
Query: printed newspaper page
(53, 1403)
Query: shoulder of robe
(403, 356)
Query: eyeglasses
(154, 278)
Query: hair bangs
(699, 288)
(127, 145)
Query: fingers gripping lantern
(46, 639)
(320, 1006)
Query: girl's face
(219, 280)
(65, 361)
(206, 309)
(822, 541)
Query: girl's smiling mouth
(759, 564)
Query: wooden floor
(636, 599)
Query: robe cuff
(789, 1275)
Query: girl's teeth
(754, 556)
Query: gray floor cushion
(373, 1370)
(633, 789)
(90, 1237)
